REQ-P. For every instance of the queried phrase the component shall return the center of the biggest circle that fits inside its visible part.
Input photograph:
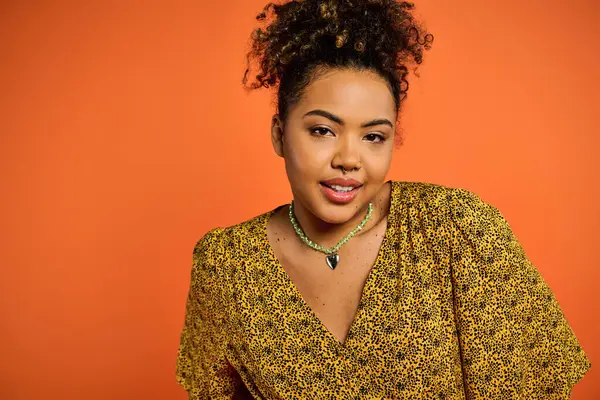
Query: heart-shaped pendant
(333, 260)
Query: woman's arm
(515, 340)
(202, 366)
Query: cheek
(304, 154)
(377, 164)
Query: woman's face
(344, 120)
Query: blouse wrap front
(452, 309)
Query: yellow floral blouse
(452, 309)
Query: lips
(342, 197)
(346, 182)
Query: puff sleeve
(514, 339)
(202, 366)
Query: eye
(320, 131)
(375, 138)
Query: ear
(277, 130)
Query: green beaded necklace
(332, 258)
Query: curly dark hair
(308, 37)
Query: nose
(347, 157)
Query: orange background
(126, 135)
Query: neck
(327, 234)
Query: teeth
(341, 188)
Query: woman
(361, 287)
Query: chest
(333, 295)
(396, 330)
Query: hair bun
(299, 36)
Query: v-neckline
(372, 276)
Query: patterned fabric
(452, 309)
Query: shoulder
(458, 209)
(220, 242)
(438, 193)
(206, 257)
(220, 251)
(469, 210)
(420, 190)
(436, 198)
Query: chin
(338, 213)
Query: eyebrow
(335, 118)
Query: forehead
(356, 94)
